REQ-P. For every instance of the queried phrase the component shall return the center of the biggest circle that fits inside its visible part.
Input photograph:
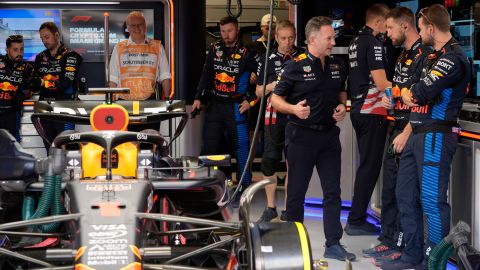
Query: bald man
(139, 63)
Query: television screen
(82, 30)
(26, 23)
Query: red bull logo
(224, 78)
(6, 86)
(420, 109)
(396, 91)
(50, 80)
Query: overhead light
(58, 3)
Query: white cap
(266, 19)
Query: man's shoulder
(122, 43)
(300, 58)
(71, 53)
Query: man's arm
(401, 140)
(167, 87)
(205, 80)
(375, 62)
(379, 77)
(163, 73)
(69, 75)
(301, 109)
(114, 69)
(446, 71)
(268, 89)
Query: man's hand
(244, 106)
(400, 141)
(407, 99)
(196, 105)
(302, 110)
(386, 102)
(339, 112)
(253, 78)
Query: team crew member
(57, 69)
(311, 91)
(223, 86)
(16, 78)
(139, 63)
(260, 47)
(261, 43)
(275, 122)
(401, 29)
(436, 101)
(368, 80)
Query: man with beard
(275, 122)
(311, 90)
(223, 85)
(401, 29)
(435, 101)
(16, 77)
(57, 69)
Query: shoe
(268, 214)
(400, 265)
(283, 215)
(379, 250)
(337, 252)
(392, 257)
(364, 229)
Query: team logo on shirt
(307, 68)
(408, 62)
(334, 66)
(278, 63)
(219, 54)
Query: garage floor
(314, 224)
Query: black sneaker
(283, 215)
(364, 229)
(400, 265)
(268, 214)
(379, 250)
(337, 252)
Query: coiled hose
(51, 198)
(437, 255)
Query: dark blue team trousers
(305, 149)
(422, 184)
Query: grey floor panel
(314, 224)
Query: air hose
(458, 236)
(437, 254)
(51, 198)
(442, 265)
(51, 168)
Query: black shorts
(273, 148)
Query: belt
(228, 99)
(317, 127)
(400, 124)
(441, 127)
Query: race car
(114, 199)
